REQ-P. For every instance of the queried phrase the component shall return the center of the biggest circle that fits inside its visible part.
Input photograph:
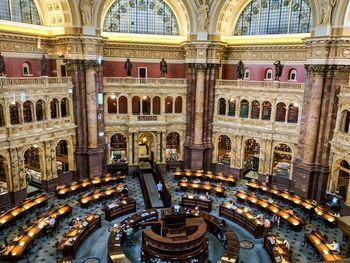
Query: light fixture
(144, 139)
(232, 100)
(35, 146)
(144, 97)
(295, 104)
(113, 97)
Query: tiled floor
(43, 248)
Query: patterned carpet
(44, 250)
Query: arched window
(224, 150)
(40, 110)
(28, 111)
(244, 109)
(25, 69)
(262, 17)
(222, 106)
(255, 114)
(23, 11)
(136, 107)
(266, 113)
(293, 75)
(178, 105)
(123, 105)
(146, 105)
(247, 73)
(281, 112)
(14, 113)
(343, 179)
(268, 74)
(168, 105)
(64, 107)
(142, 17)
(2, 116)
(112, 104)
(251, 157)
(156, 105)
(282, 160)
(345, 121)
(232, 107)
(293, 111)
(54, 109)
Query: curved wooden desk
(23, 207)
(192, 201)
(278, 252)
(99, 195)
(207, 176)
(64, 189)
(321, 243)
(73, 239)
(21, 242)
(295, 222)
(186, 243)
(245, 219)
(327, 215)
(203, 186)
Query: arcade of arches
(253, 88)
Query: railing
(43, 81)
(143, 81)
(147, 118)
(259, 84)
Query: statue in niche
(2, 65)
(128, 67)
(43, 63)
(278, 69)
(240, 70)
(203, 20)
(86, 11)
(163, 68)
(326, 11)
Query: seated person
(247, 209)
(267, 223)
(313, 202)
(184, 179)
(286, 243)
(270, 200)
(260, 216)
(51, 221)
(290, 211)
(129, 232)
(197, 181)
(335, 247)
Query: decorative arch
(64, 107)
(40, 110)
(184, 11)
(156, 105)
(118, 148)
(28, 111)
(282, 160)
(251, 155)
(2, 116)
(222, 106)
(224, 149)
(112, 104)
(5, 177)
(345, 121)
(173, 146)
(34, 162)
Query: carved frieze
(329, 70)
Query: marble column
(311, 166)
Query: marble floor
(44, 250)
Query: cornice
(327, 70)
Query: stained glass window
(142, 17)
(263, 17)
(23, 11)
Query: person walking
(159, 189)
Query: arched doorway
(251, 157)
(118, 148)
(62, 162)
(33, 168)
(172, 150)
(282, 160)
(343, 179)
(224, 150)
(146, 150)
(3, 175)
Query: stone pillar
(311, 166)
(90, 149)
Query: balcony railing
(144, 81)
(147, 118)
(259, 84)
(28, 81)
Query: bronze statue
(163, 68)
(2, 65)
(278, 69)
(240, 70)
(43, 63)
(128, 67)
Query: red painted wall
(14, 66)
(116, 69)
(257, 72)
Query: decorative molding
(329, 70)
